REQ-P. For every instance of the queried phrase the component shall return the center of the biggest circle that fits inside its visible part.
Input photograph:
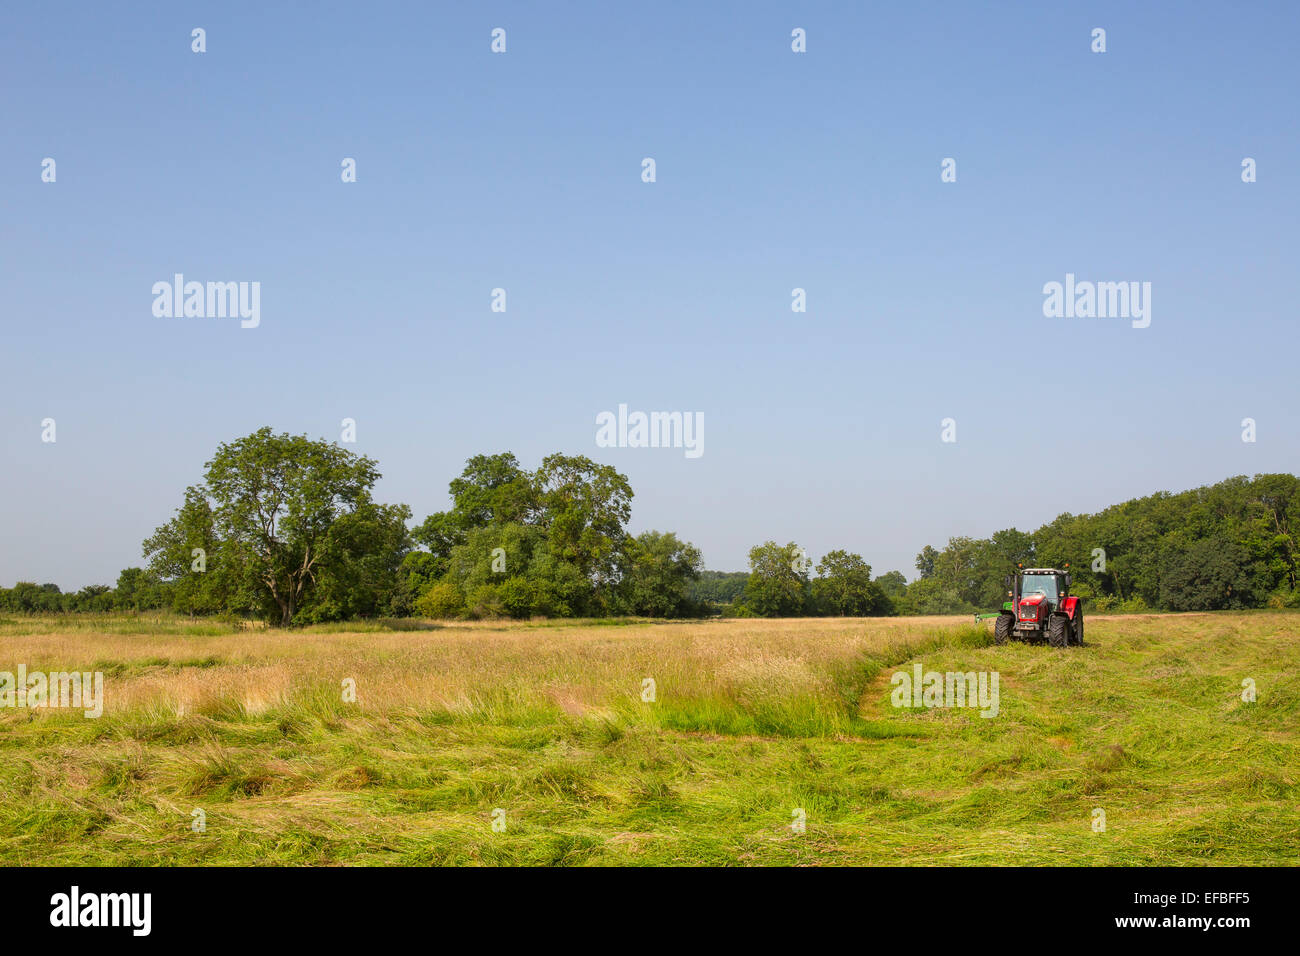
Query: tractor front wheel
(1078, 628)
(1058, 630)
(1002, 628)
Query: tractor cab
(1040, 585)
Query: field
(751, 722)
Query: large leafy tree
(281, 514)
(778, 580)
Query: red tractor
(1041, 606)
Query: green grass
(1145, 723)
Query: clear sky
(523, 171)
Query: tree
(843, 586)
(1275, 520)
(26, 597)
(778, 580)
(492, 489)
(418, 572)
(93, 597)
(137, 590)
(492, 555)
(270, 508)
(718, 588)
(583, 507)
(925, 561)
(559, 588)
(1210, 574)
(893, 584)
(517, 542)
(657, 572)
(184, 553)
(361, 556)
(442, 599)
(440, 532)
(930, 596)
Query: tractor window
(1044, 584)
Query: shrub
(485, 602)
(442, 599)
(516, 597)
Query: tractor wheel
(1078, 628)
(1058, 630)
(1002, 628)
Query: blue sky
(522, 170)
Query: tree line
(285, 528)
(1228, 545)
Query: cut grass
(751, 721)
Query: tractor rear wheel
(1058, 630)
(1002, 628)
